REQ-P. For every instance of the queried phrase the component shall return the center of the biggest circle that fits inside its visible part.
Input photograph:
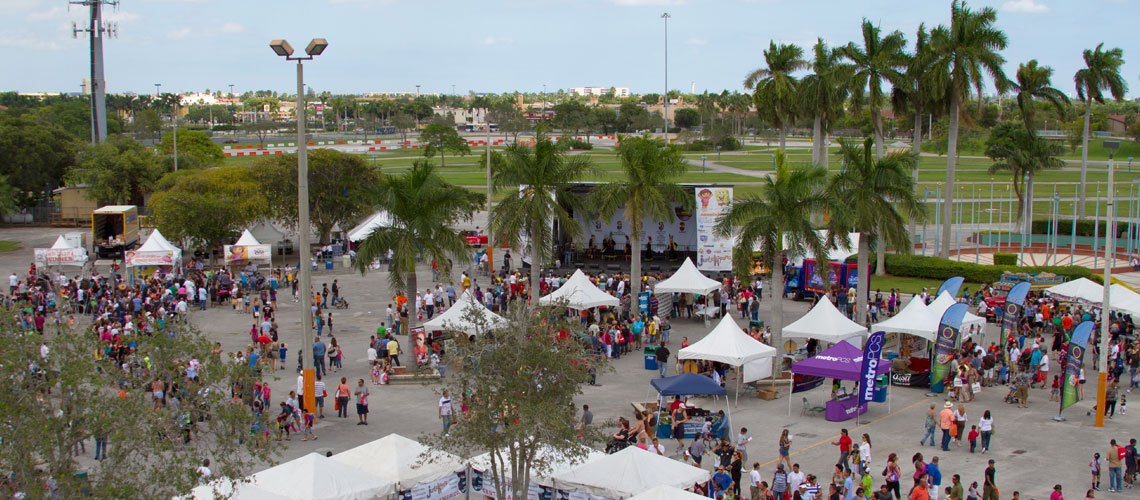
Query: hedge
(1005, 259)
(1084, 227)
(937, 268)
(727, 143)
(566, 143)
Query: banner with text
(240, 255)
(872, 356)
(60, 256)
(449, 487)
(1073, 362)
(714, 253)
(1014, 306)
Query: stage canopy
(579, 293)
(842, 361)
(465, 316)
(687, 279)
(687, 384)
(399, 460)
(155, 251)
(825, 322)
(627, 473)
(727, 343)
(362, 230)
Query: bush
(1084, 227)
(1005, 259)
(567, 143)
(937, 268)
(727, 143)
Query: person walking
(662, 358)
(945, 421)
(361, 402)
(844, 444)
(445, 411)
(742, 441)
(892, 475)
(785, 448)
(342, 394)
(986, 428)
(1114, 457)
(989, 487)
(929, 425)
(754, 480)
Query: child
(375, 373)
(1003, 373)
(972, 493)
(284, 347)
(307, 427)
(265, 394)
(1094, 467)
(1055, 394)
(973, 437)
(1123, 405)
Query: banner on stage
(714, 252)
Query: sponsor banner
(240, 255)
(872, 353)
(1014, 307)
(910, 379)
(801, 383)
(714, 253)
(451, 486)
(60, 256)
(1073, 362)
(150, 259)
(951, 285)
(949, 329)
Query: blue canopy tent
(689, 384)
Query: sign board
(240, 255)
(714, 252)
(60, 256)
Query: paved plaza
(1033, 452)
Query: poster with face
(714, 252)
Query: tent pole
(791, 385)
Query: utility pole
(96, 30)
(666, 17)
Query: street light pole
(1105, 315)
(666, 17)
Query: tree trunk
(1020, 198)
(864, 279)
(535, 263)
(816, 140)
(410, 293)
(824, 154)
(951, 163)
(917, 151)
(1027, 210)
(783, 137)
(881, 254)
(1084, 160)
(877, 121)
(777, 311)
(634, 267)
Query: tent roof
(222, 488)
(580, 293)
(824, 322)
(1079, 290)
(687, 279)
(943, 302)
(842, 361)
(246, 239)
(912, 319)
(315, 477)
(557, 463)
(727, 343)
(61, 243)
(158, 243)
(687, 384)
(629, 472)
(665, 492)
(362, 230)
(398, 459)
(457, 317)
(1124, 299)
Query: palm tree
(1101, 72)
(880, 58)
(966, 51)
(650, 190)
(774, 87)
(424, 208)
(539, 179)
(1035, 82)
(1020, 152)
(878, 196)
(781, 212)
(822, 94)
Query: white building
(599, 91)
(199, 99)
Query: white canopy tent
(1087, 291)
(247, 250)
(61, 253)
(399, 460)
(247, 239)
(939, 306)
(687, 279)
(667, 493)
(221, 488)
(155, 251)
(1124, 299)
(465, 316)
(912, 319)
(729, 344)
(627, 473)
(579, 293)
(362, 230)
(557, 463)
(309, 477)
(825, 322)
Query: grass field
(908, 285)
(8, 246)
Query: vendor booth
(579, 293)
(687, 279)
(667, 493)
(1085, 291)
(842, 361)
(247, 250)
(467, 315)
(825, 323)
(155, 253)
(627, 473)
(376, 220)
(61, 253)
(728, 344)
(402, 461)
(312, 476)
(482, 482)
(920, 320)
(686, 384)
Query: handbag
(977, 387)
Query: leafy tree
(923, 90)
(774, 88)
(72, 395)
(146, 122)
(1034, 82)
(439, 138)
(632, 117)
(1020, 152)
(195, 145)
(687, 118)
(8, 197)
(967, 50)
(1134, 131)
(880, 58)
(119, 171)
(260, 128)
(208, 207)
(339, 184)
(570, 115)
(606, 118)
(822, 94)
(34, 157)
(1101, 73)
(537, 180)
(781, 212)
(424, 209)
(404, 123)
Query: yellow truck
(114, 230)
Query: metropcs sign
(871, 360)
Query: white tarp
(943, 302)
(825, 322)
(1124, 299)
(61, 253)
(557, 465)
(362, 230)
(667, 493)
(627, 473)
(1086, 291)
(221, 488)
(309, 477)
(579, 293)
(155, 251)
(459, 317)
(727, 343)
(912, 319)
(398, 459)
(687, 279)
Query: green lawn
(8, 246)
(908, 285)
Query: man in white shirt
(445, 411)
(795, 478)
(657, 447)
(1044, 367)
(204, 471)
(754, 480)
(13, 283)
(371, 355)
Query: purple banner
(872, 353)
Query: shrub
(726, 143)
(567, 143)
(1084, 227)
(938, 268)
(1005, 259)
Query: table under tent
(729, 344)
(841, 361)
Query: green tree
(339, 184)
(570, 115)
(146, 123)
(967, 50)
(880, 58)
(686, 118)
(8, 197)
(119, 171)
(774, 88)
(259, 127)
(632, 117)
(781, 212)
(194, 145)
(34, 156)
(650, 190)
(1018, 151)
(1035, 82)
(878, 197)
(1101, 73)
(537, 180)
(403, 123)
(440, 138)
(424, 209)
(208, 207)
(606, 119)
(822, 94)
(1134, 131)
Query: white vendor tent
(557, 463)
(1124, 299)
(247, 239)
(579, 293)
(667, 493)
(627, 473)
(687, 279)
(362, 230)
(221, 488)
(727, 343)
(61, 253)
(247, 250)
(912, 319)
(824, 322)
(459, 317)
(939, 306)
(315, 477)
(1079, 290)
(155, 251)
(399, 459)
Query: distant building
(199, 99)
(599, 91)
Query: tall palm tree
(880, 58)
(822, 94)
(774, 87)
(539, 179)
(1020, 152)
(781, 212)
(650, 190)
(878, 196)
(1035, 82)
(424, 208)
(1101, 73)
(967, 50)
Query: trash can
(880, 389)
(651, 361)
(328, 265)
(346, 261)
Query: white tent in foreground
(399, 459)
(687, 279)
(824, 322)
(557, 463)
(912, 319)
(459, 317)
(1087, 291)
(667, 493)
(311, 477)
(579, 293)
(362, 230)
(627, 473)
(727, 343)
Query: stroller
(340, 303)
(1011, 398)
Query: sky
(505, 45)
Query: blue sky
(504, 45)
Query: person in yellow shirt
(394, 352)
